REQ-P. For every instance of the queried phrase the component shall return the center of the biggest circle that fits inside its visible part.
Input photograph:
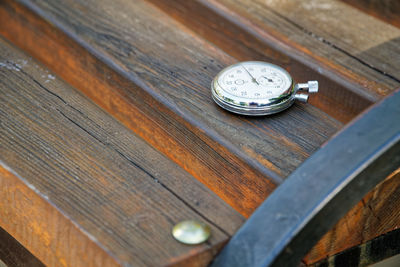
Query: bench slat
(162, 92)
(87, 181)
(320, 192)
(358, 46)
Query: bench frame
(320, 192)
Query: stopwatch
(258, 88)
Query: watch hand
(252, 78)
(268, 79)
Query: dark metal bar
(314, 197)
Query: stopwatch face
(253, 88)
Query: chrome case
(260, 106)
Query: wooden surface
(42, 229)
(367, 52)
(169, 71)
(341, 97)
(149, 64)
(377, 213)
(13, 254)
(378, 250)
(68, 168)
(386, 10)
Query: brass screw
(191, 232)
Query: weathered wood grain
(79, 189)
(165, 97)
(14, 254)
(344, 39)
(158, 75)
(386, 10)
(366, 254)
(183, 142)
(42, 229)
(342, 98)
(236, 25)
(377, 214)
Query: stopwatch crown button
(301, 97)
(310, 86)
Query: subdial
(270, 81)
(236, 77)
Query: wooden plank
(340, 96)
(367, 52)
(369, 40)
(387, 10)
(161, 92)
(79, 189)
(42, 229)
(14, 254)
(256, 23)
(376, 251)
(377, 214)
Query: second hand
(252, 78)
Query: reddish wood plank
(32, 44)
(91, 190)
(377, 214)
(382, 251)
(48, 234)
(357, 54)
(161, 92)
(340, 97)
(247, 28)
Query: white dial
(254, 80)
(257, 88)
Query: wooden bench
(115, 138)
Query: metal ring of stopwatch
(281, 100)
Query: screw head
(191, 232)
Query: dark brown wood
(67, 163)
(365, 53)
(12, 253)
(310, 28)
(340, 97)
(369, 41)
(42, 229)
(373, 251)
(386, 10)
(377, 214)
(150, 63)
(165, 95)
